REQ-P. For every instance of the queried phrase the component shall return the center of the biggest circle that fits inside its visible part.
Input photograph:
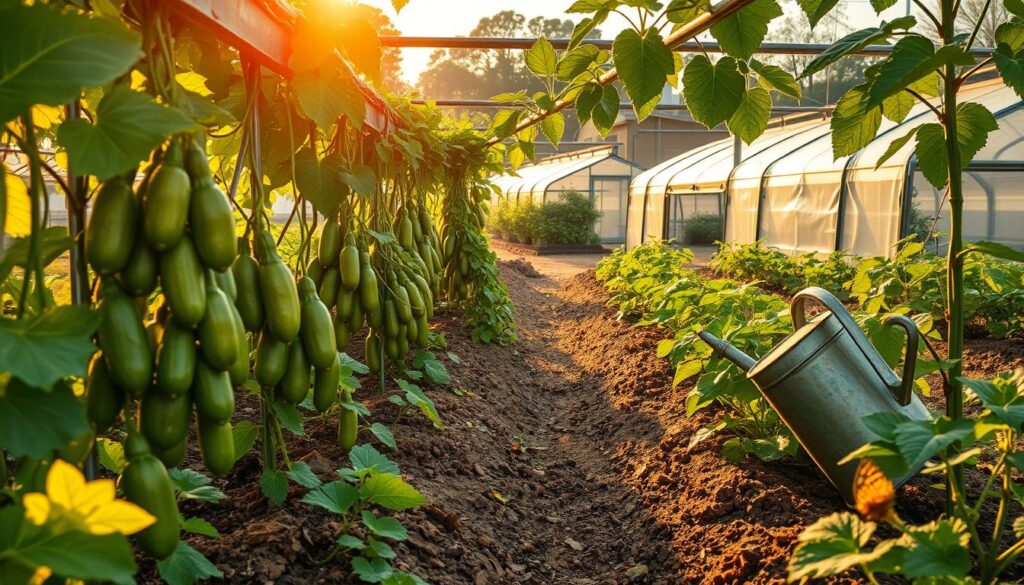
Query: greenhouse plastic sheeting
(791, 193)
(598, 171)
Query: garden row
(653, 285)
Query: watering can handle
(905, 390)
(902, 389)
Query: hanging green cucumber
(218, 341)
(247, 281)
(330, 241)
(146, 484)
(355, 320)
(271, 359)
(405, 233)
(226, 283)
(402, 304)
(372, 351)
(348, 424)
(411, 331)
(316, 330)
(239, 370)
(343, 306)
(124, 341)
(278, 291)
(391, 346)
(416, 302)
(174, 456)
(139, 275)
(164, 419)
(315, 271)
(328, 287)
(369, 294)
(183, 283)
(422, 331)
(165, 207)
(294, 385)
(216, 445)
(403, 342)
(110, 234)
(212, 394)
(175, 359)
(104, 400)
(210, 217)
(391, 322)
(325, 385)
(349, 263)
(341, 333)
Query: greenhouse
(789, 193)
(599, 172)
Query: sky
(458, 17)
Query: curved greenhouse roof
(789, 192)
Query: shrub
(570, 220)
(702, 228)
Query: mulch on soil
(566, 462)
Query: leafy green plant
(958, 548)
(702, 228)
(367, 492)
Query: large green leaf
(816, 9)
(391, 492)
(833, 545)
(361, 45)
(643, 63)
(186, 566)
(319, 180)
(128, 126)
(606, 112)
(50, 55)
(913, 58)
(81, 555)
(42, 349)
(919, 441)
(553, 126)
(577, 61)
(1011, 33)
(1003, 397)
(854, 124)
(54, 241)
(587, 99)
(751, 118)
(336, 496)
(368, 458)
(326, 96)
(1010, 64)
(939, 549)
(856, 41)
(974, 123)
(34, 423)
(683, 11)
(896, 145)
(713, 91)
(741, 33)
(541, 58)
(775, 77)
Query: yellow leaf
(19, 207)
(118, 516)
(138, 80)
(46, 116)
(61, 158)
(37, 508)
(499, 497)
(193, 81)
(64, 482)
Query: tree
(990, 15)
(480, 74)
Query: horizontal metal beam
(404, 42)
(622, 106)
(265, 35)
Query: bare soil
(566, 462)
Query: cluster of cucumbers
(173, 236)
(463, 213)
(391, 289)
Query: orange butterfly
(873, 493)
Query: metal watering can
(825, 377)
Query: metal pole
(418, 42)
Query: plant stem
(954, 270)
(267, 420)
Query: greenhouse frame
(790, 193)
(599, 172)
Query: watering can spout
(728, 351)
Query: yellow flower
(92, 506)
(40, 576)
